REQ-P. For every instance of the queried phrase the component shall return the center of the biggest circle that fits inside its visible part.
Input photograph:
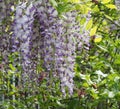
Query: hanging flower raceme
(3, 39)
(2, 12)
(23, 24)
(39, 34)
(59, 49)
(5, 30)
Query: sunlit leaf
(64, 17)
(108, 17)
(103, 82)
(85, 85)
(104, 22)
(82, 76)
(10, 72)
(10, 33)
(117, 60)
(116, 79)
(54, 3)
(100, 73)
(102, 48)
(87, 78)
(94, 93)
(98, 39)
(89, 24)
(75, 1)
(105, 1)
(7, 28)
(111, 94)
(95, 9)
(12, 67)
(82, 21)
(85, 9)
(93, 31)
(111, 6)
(59, 103)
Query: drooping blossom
(39, 34)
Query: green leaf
(102, 48)
(105, 1)
(111, 6)
(82, 21)
(87, 78)
(94, 93)
(12, 67)
(89, 24)
(7, 28)
(78, 7)
(111, 94)
(54, 3)
(103, 82)
(116, 79)
(59, 103)
(108, 17)
(85, 85)
(10, 72)
(85, 9)
(75, 1)
(93, 31)
(117, 62)
(95, 9)
(100, 73)
(98, 39)
(64, 17)
(117, 59)
(82, 76)
(11, 107)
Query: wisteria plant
(59, 54)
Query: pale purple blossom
(39, 34)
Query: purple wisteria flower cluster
(5, 33)
(22, 36)
(39, 34)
